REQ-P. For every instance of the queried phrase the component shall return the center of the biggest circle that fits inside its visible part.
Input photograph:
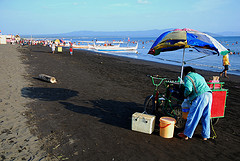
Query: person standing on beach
(71, 49)
(53, 47)
(200, 95)
(226, 63)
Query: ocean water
(192, 57)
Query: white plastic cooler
(143, 122)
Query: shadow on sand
(48, 94)
(111, 112)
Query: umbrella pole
(182, 63)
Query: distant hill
(145, 33)
(213, 34)
(229, 33)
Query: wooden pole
(47, 78)
(182, 63)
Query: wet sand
(87, 114)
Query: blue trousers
(200, 109)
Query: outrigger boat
(113, 46)
(101, 46)
(83, 45)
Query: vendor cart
(218, 92)
(168, 102)
(219, 100)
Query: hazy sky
(61, 16)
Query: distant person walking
(226, 63)
(71, 49)
(53, 47)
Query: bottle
(185, 108)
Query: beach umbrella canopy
(58, 41)
(187, 38)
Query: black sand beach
(87, 114)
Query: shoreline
(203, 64)
(199, 66)
(167, 66)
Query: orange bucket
(167, 127)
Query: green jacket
(195, 85)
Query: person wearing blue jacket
(200, 96)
